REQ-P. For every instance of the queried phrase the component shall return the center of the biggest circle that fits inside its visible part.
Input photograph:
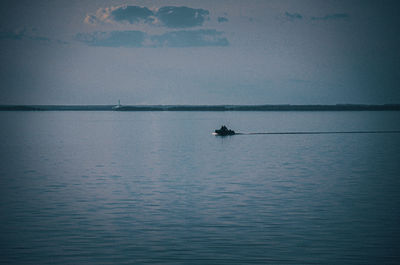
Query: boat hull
(224, 133)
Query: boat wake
(311, 132)
(224, 131)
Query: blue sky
(199, 52)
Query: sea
(156, 187)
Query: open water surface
(158, 188)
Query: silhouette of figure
(224, 131)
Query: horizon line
(189, 107)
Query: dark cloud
(10, 35)
(22, 34)
(190, 38)
(181, 16)
(332, 16)
(293, 16)
(222, 19)
(132, 14)
(182, 38)
(297, 16)
(26, 34)
(168, 16)
(129, 38)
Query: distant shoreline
(337, 107)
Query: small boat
(224, 131)
(117, 107)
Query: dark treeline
(54, 107)
(337, 107)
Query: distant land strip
(337, 107)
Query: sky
(200, 52)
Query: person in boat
(224, 131)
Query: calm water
(158, 188)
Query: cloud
(297, 16)
(190, 38)
(26, 34)
(332, 17)
(132, 14)
(293, 16)
(103, 15)
(21, 34)
(181, 16)
(168, 16)
(222, 19)
(171, 17)
(131, 39)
